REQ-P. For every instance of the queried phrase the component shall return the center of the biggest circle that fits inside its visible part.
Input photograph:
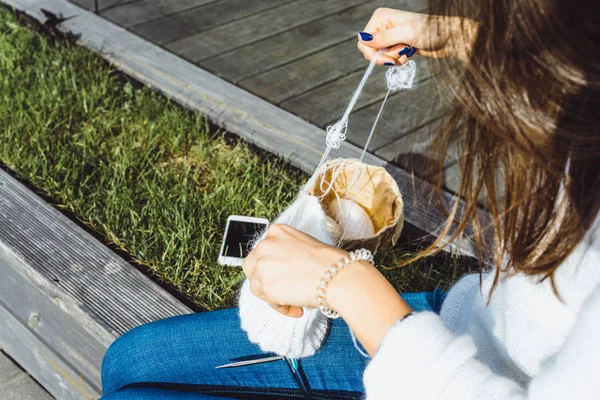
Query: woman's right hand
(397, 29)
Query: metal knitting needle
(293, 365)
(250, 362)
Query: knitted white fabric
(271, 330)
(527, 344)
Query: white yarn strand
(364, 151)
(356, 346)
(397, 78)
(336, 133)
(401, 77)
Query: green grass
(152, 178)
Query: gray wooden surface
(101, 4)
(16, 384)
(181, 25)
(274, 23)
(64, 296)
(137, 12)
(298, 54)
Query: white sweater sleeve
(420, 359)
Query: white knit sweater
(526, 344)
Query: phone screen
(239, 237)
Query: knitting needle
(293, 364)
(250, 362)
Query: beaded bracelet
(353, 256)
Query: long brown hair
(525, 113)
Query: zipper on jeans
(250, 390)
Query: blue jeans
(176, 358)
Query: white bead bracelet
(353, 256)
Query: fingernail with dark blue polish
(411, 52)
(404, 51)
(389, 64)
(366, 37)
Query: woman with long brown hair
(523, 108)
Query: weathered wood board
(410, 152)
(53, 316)
(147, 10)
(16, 384)
(267, 24)
(22, 317)
(290, 45)
(303, 75)
(41, 362)
(78, 264)
(101, 4)
(181, 25)
(328, 103)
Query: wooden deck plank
(407, 144)
(410, 151)
(248, 30)
(301, 76)
(327, 103)
(293, 44)
(146, 10)
(87, 4)
(16, 384)
(102, 4)
(452, 176)
(191, 22)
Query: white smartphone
(240, 233)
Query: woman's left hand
(285, 268)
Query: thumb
(402, 34)
(290, 311)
